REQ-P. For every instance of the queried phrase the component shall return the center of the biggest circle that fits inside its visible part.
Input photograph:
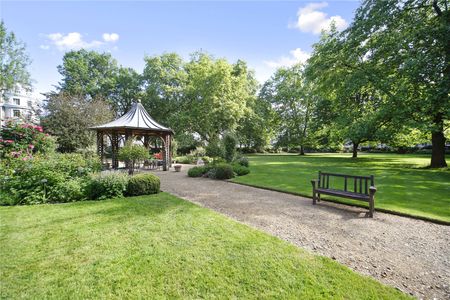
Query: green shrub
(110, 185)
(240, 170)
(143, 184)
(223, 171)
(229, 143)
(70, 190)
(43, 179)
(197, 171)
(211, 173)
(243, 161)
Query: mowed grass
(160, 246)
(403, 182)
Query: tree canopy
(14, 60)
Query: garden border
(383, 210)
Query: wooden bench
(355, 187)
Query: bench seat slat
(345, 194)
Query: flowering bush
(22, 140)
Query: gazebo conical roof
(136, 119)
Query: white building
(19, 103)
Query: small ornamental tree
(229, 143)
(131, 153)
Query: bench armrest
(372, 190)
(313, 182)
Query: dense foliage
(223, 171)
(109, 185)
(46, 178)
(197, 171)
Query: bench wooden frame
(361, 188)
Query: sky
(265, 34)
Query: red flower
(31, 146)
(9, 141)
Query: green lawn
(159, 247)
(404, 184)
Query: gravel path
(409, 254)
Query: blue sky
(266, 34)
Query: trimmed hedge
(143, 184)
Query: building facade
(19, 103)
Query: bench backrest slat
(366, 187)
(360, 183)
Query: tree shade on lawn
(403, 183)
(160, 247)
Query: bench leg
(318, 198)
(313, 182)
(371, 206)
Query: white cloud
(311, 19)
(75, 41)
(110, 37)
(296, 56)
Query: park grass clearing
(160, 246)
(404, 183)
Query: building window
(16, 113)
(16, 101)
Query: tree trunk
(437, 135)
(355, 150)
(302, 150)
(438, 144)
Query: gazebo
(136, 122)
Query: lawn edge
(383, 210)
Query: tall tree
(257, 127)
(127, 89)
(408, 43)
(14, 60)
(164, 81)
(88, 73)
(216, 95)
(292, 101)
(350, 105)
